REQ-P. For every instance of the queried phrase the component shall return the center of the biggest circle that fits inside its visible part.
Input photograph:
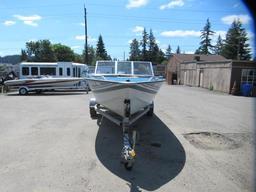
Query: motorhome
(57, 69)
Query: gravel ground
(198, 140)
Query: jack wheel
(128, 166)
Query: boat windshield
(124, 68)
(105, 67)
(142, 68)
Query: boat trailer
(128, 151)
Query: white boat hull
(43, 83)
(113, 94)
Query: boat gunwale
(125, 82)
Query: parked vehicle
(45, 76)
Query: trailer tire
(23, 91)
(92, 106)
(151, 110)
(93, 113)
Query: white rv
(58, 69)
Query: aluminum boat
(115, 82)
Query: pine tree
(236, 45)
(101, 52)
(168, 52)
(134, 50)
(144, 44)
(91, 55)
(219, 46)
(205, 44)
(153, 50)
(24, 56)
(178, 50)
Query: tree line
(147, 49)
(234, 46)
(45, 51)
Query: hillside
(13, 59)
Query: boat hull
(113, 94)
(42, 83)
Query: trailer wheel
(151, 110)
(23, 91)
(92, 105)
(93, 113)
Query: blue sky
(174, 22)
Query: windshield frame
(115, 69)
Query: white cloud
(89, 39)
(136, 3)
(29, 20)
(230, 18)
(138, 29)
(31, 23)
(9, 23)
(172, 4)
(180, 33)
(221, 33)
(130, 41)
(82, 24)
(76, 47)
(189, 52)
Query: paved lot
(48, 143)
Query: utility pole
(85, 33)
(124, 55)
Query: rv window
(25, 71)
(74, 70)
(79, 72)
(60, 71)
(48, 71)
(34, 71)
(68, 71)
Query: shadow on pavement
(160, 155)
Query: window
(124, 68)
(142, 68)
(25, 71)
(248, 76)
(106, 67)
(60, 71)
(79, 72)
(34, 71)
(74, 71)
(48, 71)
(68, 71)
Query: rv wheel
(23, 91)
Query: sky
(174, 22)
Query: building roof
(194, 57)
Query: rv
(58, 69)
